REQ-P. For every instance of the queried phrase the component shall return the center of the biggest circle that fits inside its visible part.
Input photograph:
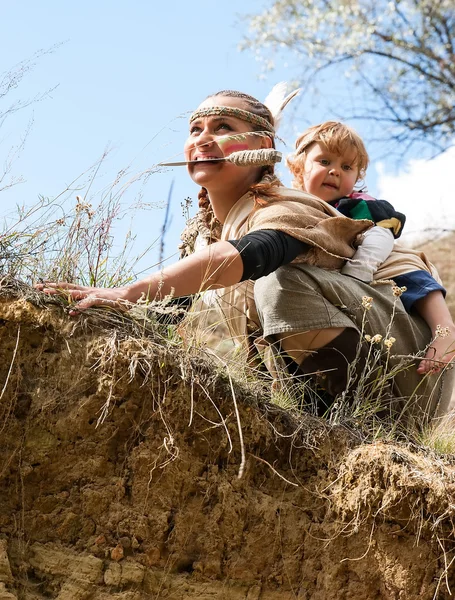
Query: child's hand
(440, 353)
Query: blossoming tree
(398, 56)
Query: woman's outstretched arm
(217, 266)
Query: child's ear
(266, 142)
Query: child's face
(329, 176)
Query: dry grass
(440, 435)
(72, 237)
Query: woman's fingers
(46, 290)
(90, 301)
(61, 285)
(84, 296)
(71, 291)
(79, 291)
(94, 300)
(70, 294)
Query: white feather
(277, 100)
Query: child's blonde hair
(337, 137)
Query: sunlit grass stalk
(59, 239)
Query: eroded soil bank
(148, 504)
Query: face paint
(233, 143)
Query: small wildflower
(397, 291)
(441, 331)
(389, 342)
(186, 206)
(143, 299)
(82, 206)
(368, 338)
(376, 338)
(367, 301)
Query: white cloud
(424, 190)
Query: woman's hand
(86, 296)
(217, 266)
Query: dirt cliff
(132, 469)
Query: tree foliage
(399, 55)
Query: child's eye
(346, 168)
(325, 162)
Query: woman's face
(207, 140)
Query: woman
(264, 227)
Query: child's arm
(378, 242)
(376, 246)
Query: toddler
(330, 159)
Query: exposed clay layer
(149, 504)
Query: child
(330, 159)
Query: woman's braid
(204, 225)
(212, 227)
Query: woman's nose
(205, 139)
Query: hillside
(441, 253)
(127, 475)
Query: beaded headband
(230, 111)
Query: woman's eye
(194, 130)
(224, 126)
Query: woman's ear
(266, 142)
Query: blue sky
(127, 75)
